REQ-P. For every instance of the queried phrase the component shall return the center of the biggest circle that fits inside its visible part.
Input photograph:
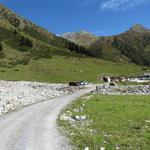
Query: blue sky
(101, 17)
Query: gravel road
(35, 127)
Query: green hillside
(67, 68)
(29, 52)
(25, 41)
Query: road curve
(35, 127)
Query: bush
(25, 42)
(1, 48)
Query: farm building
(141, 78)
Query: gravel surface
(14, 95)
(124, 90)
(35, 127)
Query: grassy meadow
(113, 122)
(63, 69)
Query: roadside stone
(77, 118)
(87, 148)
(83, 118)
(147, 121)
(117, 147)
(80, 118)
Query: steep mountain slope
(21, 37)
(132, 45)
(135, 44)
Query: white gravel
(35, 127)
(123, 89)
(14, 95)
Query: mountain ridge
(132, 45)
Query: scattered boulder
(80, 118)
(87, 148)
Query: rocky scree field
(14, 95)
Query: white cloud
(112, 5)
(116, 5)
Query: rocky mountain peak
(139, 28)
(1, 6)
(81, 32)
(81, 37)
(84, 32)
